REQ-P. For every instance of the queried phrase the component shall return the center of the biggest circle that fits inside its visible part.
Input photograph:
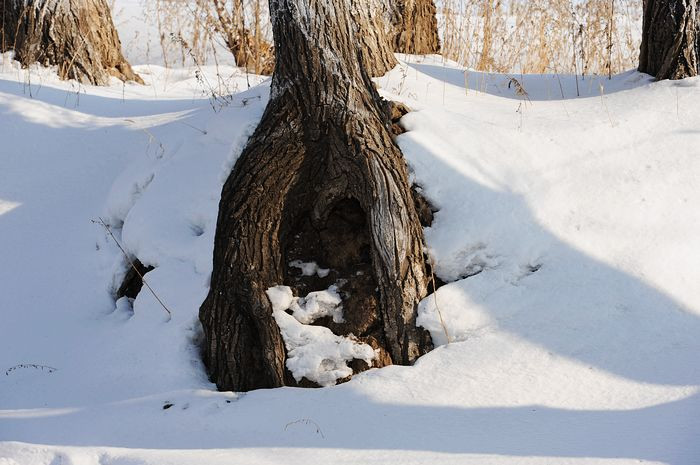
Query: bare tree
(670, 39)
(77, 36)
(322, 180)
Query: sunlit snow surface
(568, 229)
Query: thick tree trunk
(670, 39)
(416, 29)
(320, 180)
(77, 36)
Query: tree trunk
(373, 21)
(670, 39)
(416, 29)
(320, 180)
(77, 36)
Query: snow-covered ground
(568, 227)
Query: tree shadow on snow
(575, 305)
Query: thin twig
(518, 88)
(442, 322)
(30, 365)
(152, 138)
(109, 230)
(602, 99)
(306, 421)
(193, 127)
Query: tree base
(77, 37)
(320, 180)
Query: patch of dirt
(424, 208)
(132, 283)
(396, 111)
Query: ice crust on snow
(314, 352)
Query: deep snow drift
(567, 227)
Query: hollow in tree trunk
(320, 180)
(670, 39)
(77, 36)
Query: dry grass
(542, 36)
(206, 27)
(508, 36)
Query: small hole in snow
(197, 230)
(534, 268)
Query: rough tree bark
(320, 180)
(670, 39)
(375, 28)
(77, 36)
(416, 27)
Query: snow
(318, 304)
(314, 352)
(309, 268)
(567, 229)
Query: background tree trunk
(374, 29)
(670, 39)
(78, 36)
(320, 180)
(382, 27)
(250, 50)
(416, 29)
